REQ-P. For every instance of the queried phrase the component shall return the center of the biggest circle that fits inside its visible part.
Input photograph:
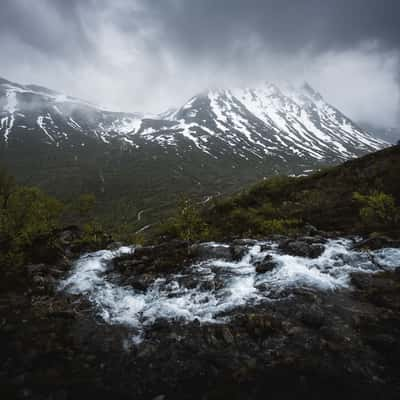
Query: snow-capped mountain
(269, 121)
(54, 117)
(218, 142)
(264, 122)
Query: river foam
(218, 286)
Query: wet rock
(360, 280)
(265, 247)
(301, 248)
(383, 342)
(130, 264)
(210, 336)
(376, 243)
(191, 282)
(313, 239)
(313, 317)
(310, 230)
(205, 251)
(140, 282)
(207, 285)
(114, 246)
(316, 250)
(244, 242)
(332, 333)
(56, 272)
(238, 251)
(227, 335)
(38, 280)
(160, 397)
(69, 234)
(143, 251)
(157, 260)
(259, 324)
(266, 265)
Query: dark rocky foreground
(307, 344)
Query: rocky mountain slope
(271, 121)
(266, 121)
(54, 117)
(390, 135)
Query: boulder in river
(302, 248)
(266, 265)
(204, 251)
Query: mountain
(273, 122)
(390, 135)
(267, 121)
(218, 141)
(55, 117)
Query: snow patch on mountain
(251, 123)
(10, 107)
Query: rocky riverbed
(313, 317)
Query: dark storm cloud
(149, 54)
(286, 25)
(52, 27)
(202, 27)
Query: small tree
(29, 214)
(378, 210)
(189, 223)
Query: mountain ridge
(217, 142)
(263, 121)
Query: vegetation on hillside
(30, 219)
(360, 196)
(378, 210)
(126, 180)
(25, 214)
(187, 224)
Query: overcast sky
(149, 55)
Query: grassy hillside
(127, 181)
(327, 199)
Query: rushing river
(219, 286)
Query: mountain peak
(311, 92)
(268, 120)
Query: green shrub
(378, 210)
(26, 215)
(187, 224)
(93, 236)
(280, 226)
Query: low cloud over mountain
(150, 55)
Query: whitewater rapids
(238, 282)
